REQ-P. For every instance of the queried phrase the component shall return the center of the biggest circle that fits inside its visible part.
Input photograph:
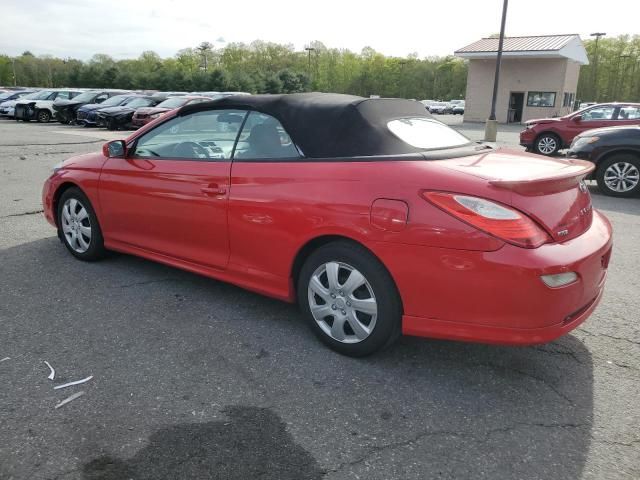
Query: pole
(595, 64)
(309, 49)
(491, 128)
(13, 64)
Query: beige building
(538, 77)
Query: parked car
(118, 117)
(458, 109)
(451, 105)
(144, 115)
(67, 109)
(438, 107)
(40, 107)
(14, 95)
(7, 107)
(9, 99)
(87, 115)
(548, 135)
(328, 181)
(616, 153)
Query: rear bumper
(499, 297)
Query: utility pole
(491, 128)
(595, 65)
(13, 65)
(309, 49)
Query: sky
(125, 28)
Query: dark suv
(548, 135)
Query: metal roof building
(539, 76)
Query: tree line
(258, 67)
(265, 67)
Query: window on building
(568, 99)
(541, 99)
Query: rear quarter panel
(275, 208)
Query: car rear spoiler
(565, 179)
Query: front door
(170, 195)
(516, 104)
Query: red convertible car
(376, 218)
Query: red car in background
(144, 115)
(548, 135)
(372, 215)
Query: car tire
(78, 226)
(369, 316)
(547, 144)
(43, 116)
(619, 175)
(111, 124)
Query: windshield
(173, 102)
(139, 102)
(424, 133)
(4, 96)
(41, 95)
(113, 101)
(85, 97)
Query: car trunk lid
(549, 190)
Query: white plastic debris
(52, 375)
(5, 359)
(69, 399)
(77, 382)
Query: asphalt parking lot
(194, 378)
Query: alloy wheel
(621, 177)
(76, 225)
(547, 145)
(342, 302)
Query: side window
(597, 114)
(101, 98)
(63, 95)
(629, 113)
(264, 138)
(207, 135)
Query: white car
(39, 106)
(438, 107)
(8, 101)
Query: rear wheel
(43, 116)
(547, 144)
(78, 226)
(619, 175)
(349, 299)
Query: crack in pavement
(634, 342)
(375, 449)
(147, 282)
(530, 375)
(49, 144)
(31, 212)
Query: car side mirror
(576, 118)
(115, 149)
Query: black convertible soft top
(330, 125)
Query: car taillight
(493, 218)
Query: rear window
(427, 134)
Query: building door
(516, 104)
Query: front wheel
(619, 175)
(78, 226)
(349, 299)
(547, 144)
(44, 116)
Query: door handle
(213, 189)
